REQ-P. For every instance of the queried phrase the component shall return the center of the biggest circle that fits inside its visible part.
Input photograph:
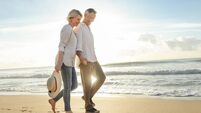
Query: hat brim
(58, 81)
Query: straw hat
(54, 84)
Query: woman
(66, 58)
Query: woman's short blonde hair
(73, 13)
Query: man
(88, 61)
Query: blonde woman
(65, 60)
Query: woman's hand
(83, 60)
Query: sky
(124, 31)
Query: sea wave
(111, 73)
(25, 76)
(163, 72)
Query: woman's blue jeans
(70, 83)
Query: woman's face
(76, 20)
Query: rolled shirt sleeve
(65, 35)
(78, 33)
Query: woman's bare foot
(69, 112)
(52, 103)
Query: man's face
(90, 17)
(76, 20)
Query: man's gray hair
(73, 13)
(90, 10)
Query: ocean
(166, 78)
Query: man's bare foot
(52, 103)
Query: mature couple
(78, 41)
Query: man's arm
(78, 33)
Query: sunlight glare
(93, 79)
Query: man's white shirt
(85, 42)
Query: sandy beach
(108, 104)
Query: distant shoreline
(151, 61)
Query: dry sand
(107, 104)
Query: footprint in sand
(6, 109)
(52, 112)
(26, 109)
